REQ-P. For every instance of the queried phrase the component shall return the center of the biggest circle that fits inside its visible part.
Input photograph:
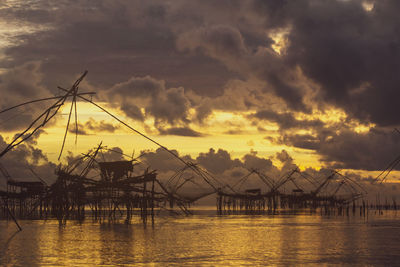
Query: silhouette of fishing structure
(118, 190)
(106, 190)
(272, 198)
(115, 190)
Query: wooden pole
(12, 216)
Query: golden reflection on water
(204, 240)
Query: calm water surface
(207, 240)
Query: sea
(207, 239)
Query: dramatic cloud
(217, 162)
(227, 45)
(93, 127)
(165, 105)
(20, 161)
(131, 39)
(175, 64)
(352, 53)
(219, 41)
(287, 120)
(252, 161)
(162, 161)
(180, 132)
(349, 51)
(18, 85)
(372, 150)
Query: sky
(231, 85)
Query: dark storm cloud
(217, 162)
(165, 105)
(353, 54)
(220, 41)
(180, 131)
(291, 93)
(227, 44)
(141, 87)
(151, 38)
(372, 150)
(18, 85)
(163, 161)
(350, 52)
(159, 51)
(171, 106)
(252, 161)
(115, 40)
(93, 127)
(305, 141)
(18, 161)
(138, 87)
(287, 120)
